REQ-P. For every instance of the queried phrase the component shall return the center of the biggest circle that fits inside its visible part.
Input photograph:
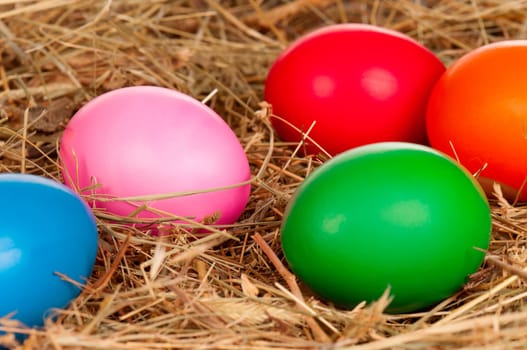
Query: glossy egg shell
(152, 146)
(45, 229)
(477, 113)
(358, 83)
(387, 215)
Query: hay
(229, 289)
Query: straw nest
(230, 289)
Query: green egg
(387, 215)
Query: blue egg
(45, 230)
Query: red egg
(354, 84)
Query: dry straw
(230, 289)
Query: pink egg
(135, 146)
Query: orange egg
(477, 113)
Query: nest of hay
(230, 289)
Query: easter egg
(350, 85)
(477, 113)
(152, 152)
(387, 215)
(47, 232)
